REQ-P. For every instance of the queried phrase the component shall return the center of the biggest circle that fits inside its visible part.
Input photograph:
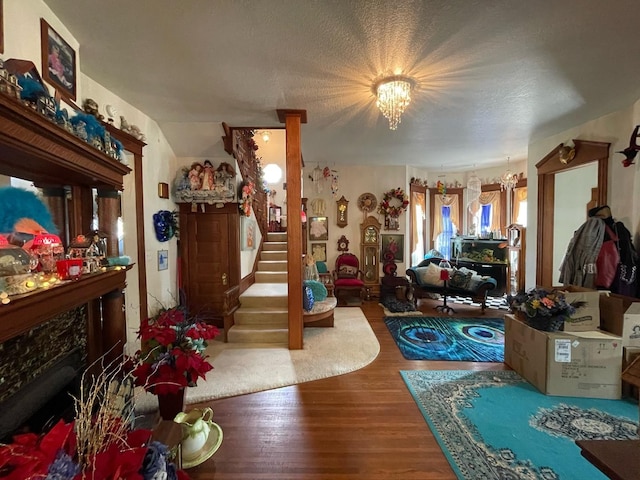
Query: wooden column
(80, 211)
(54, 199)
(114, 334)
(108, 213)
(292, 120)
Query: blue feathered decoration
(17, 203)
(31, 89)
(92, 124)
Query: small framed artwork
(58, 61)
(318, 228)
(319, 252)
(393, 244)
(163, 259)
(248, 233)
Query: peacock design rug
(447, 338)
(495, 425)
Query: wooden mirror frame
(586, 152)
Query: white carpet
(239, 369)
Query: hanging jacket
(579, 264)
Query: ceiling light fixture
(266, 136)
(394, 96)
(508, 180)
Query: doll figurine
(195, 181)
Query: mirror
(558, 179)
(570, 209)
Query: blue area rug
(447, 338)
(495, 425)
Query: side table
(390, 284)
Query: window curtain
(485, 218)
(450, 201)
(519, 196)
(491, 199)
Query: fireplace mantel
(34, 148)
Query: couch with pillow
(427, 278)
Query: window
(445, 218)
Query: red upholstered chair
(347, 277)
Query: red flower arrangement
(172, 354)
(99, 444)
(385, 206)
(55, 455)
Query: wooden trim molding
(586, 151)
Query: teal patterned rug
(495, 425)
(448, 338)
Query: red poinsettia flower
(172, 355)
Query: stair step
(274, 255)
(277, 237)
(274, 246)
(272, 265)
(271, 277)
(257, 334)
(275, 317)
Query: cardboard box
(612, 310)
(586, 318)
(575, 364)
(629, 354)
(631, 326)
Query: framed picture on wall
(394, 244)
(163, 259)
(58, 61)
(319, 252)
(318, 228)
(248, 233)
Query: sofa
(427, 278)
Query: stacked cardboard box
(575, 364)
(587, 358)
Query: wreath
(385, 206)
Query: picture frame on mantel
(58, 61)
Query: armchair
(348, 279)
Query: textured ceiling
(491, 74)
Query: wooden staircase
(263, 314)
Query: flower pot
(547, 324)
(171, 404)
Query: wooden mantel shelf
(25, 312)
(34, 148)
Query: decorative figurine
(90, 106)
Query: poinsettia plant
(172, 354)
(100, 443)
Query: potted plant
(172, 356)
(544, 309)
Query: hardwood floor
(362, 425)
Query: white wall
(624, 183)
(22, 40)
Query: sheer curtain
(445, 224)
(519, 206)
(492, 201)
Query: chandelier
(394, 96)
(508, 180)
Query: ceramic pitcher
(196, 426)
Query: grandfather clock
(369, 253)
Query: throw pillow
(307, 299)
(430, 275)
(318, 289)
(460, 279)
(347, 271)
